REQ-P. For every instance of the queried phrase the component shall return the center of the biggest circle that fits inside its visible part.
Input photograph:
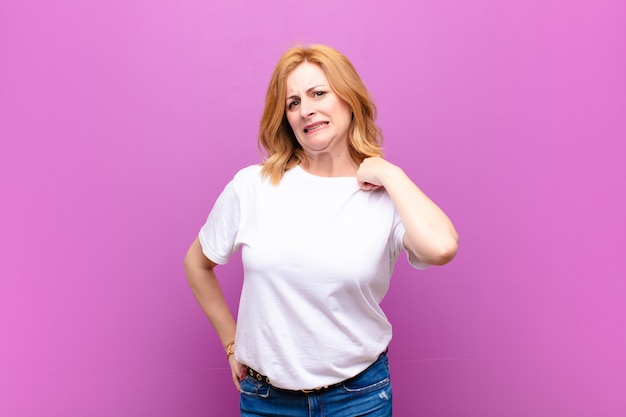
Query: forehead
(305, 76)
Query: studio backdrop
(121, 122)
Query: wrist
(391, 174)
(230, 348)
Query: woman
(321, 223)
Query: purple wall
(120, 122)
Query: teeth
(315, 127)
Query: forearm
(207, 291)
(206, 288)
(430, 235)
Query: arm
(206, 288)
(430, 236)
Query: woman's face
(317, 116)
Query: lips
(313, 126)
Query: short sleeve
(219, 233)
(398, 239)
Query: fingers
(369, 173)
(237, 381)
(238, 371)
(368, 186)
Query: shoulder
(249, 172)
(247, 180)
(248, 175)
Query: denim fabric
(367, 394)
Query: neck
(325, 165)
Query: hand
(238, 371)
(429, 235)
(371, 173)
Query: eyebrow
(293, 96)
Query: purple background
(121, 121)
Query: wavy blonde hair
(275, 133)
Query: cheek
(292, 119)
(342, 112)
(345, 115)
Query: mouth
(314, 126)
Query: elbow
(447, 250)
(439, 254)
(444, 254)
(188, 268)
(188, 260)
(187, 265)
(191, 264)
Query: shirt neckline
(304, 172)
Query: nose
(306, 109)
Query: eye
(293, 104)
(319, 93)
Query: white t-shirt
(318, 253)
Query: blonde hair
(275, 133)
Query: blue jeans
(367, 394)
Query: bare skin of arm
(203, 281)
(430, 236)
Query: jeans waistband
(262, 378)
